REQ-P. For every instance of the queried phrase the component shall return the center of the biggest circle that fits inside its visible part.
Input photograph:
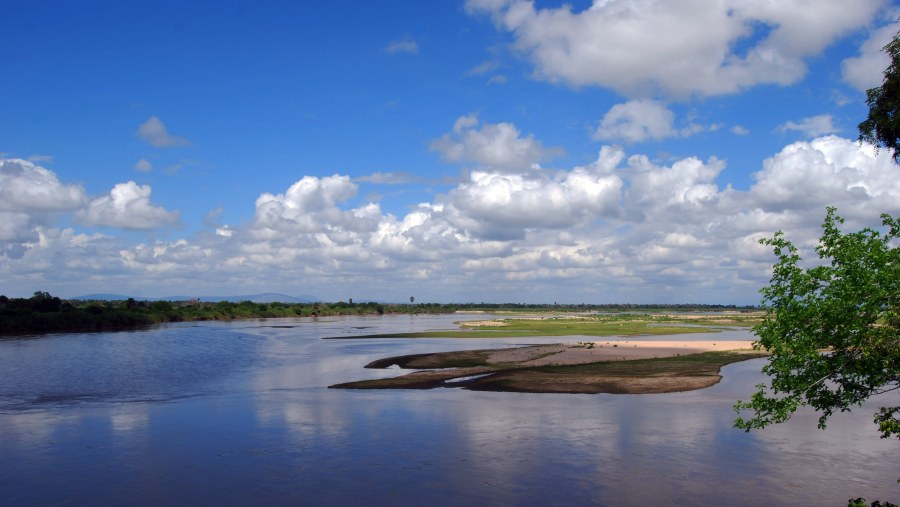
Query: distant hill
(103, 297)
(266, 297)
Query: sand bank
(609, 350)
(607, 366)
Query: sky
(614, 151)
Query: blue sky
(480, 150)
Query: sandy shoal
(610, 350)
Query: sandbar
(603, 366)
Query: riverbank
(609, 366)
(44, 313)
(592, 325)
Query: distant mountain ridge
(265, 297)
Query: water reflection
(126, 418)
(239, 413)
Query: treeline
(44, 313)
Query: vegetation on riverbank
(44, 313)
(618, 324)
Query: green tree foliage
(882, 126)
(44, 302)
(861, 502)
(833, 330)
(44, 313)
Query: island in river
(613, 366)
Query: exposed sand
(609, 350)
(483, 323)
(519, 369)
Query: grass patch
(605, 325)
(433, 334)
(589, 325)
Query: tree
(44, 302)
(882, 126)
(833, 330)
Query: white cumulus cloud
(683, 193)
(497, 146)
(620, 228)
(31, 198)
(641, 120)
(127, 206)
(498, 206)
(311, 205)
(16, 227)
(27, 187)
(676, 47)
(829, 171)
(867, 70)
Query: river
(239, 413)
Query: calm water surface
(240, 413)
